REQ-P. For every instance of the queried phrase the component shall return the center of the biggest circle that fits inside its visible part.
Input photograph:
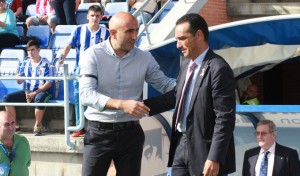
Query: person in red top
(16, 7)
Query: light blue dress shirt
(182, 125)
(118, 78)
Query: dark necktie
(264, 164)
(187, 83)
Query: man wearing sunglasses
(270, 158)
(15, 154)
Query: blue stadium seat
(20, 29)
(13, 53)
(82, 12)
(9, 67)
(64, 29)
(31, 10)
(58, 41)
(47, 53)
(42, 32)
(70, 60)
(112, 8)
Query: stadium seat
(143, 37)
(31, 10)
(47, 53)
(60, 37)
(9, 67)
(112, 8)
(13, 53)
(82, 12)
(64, 29)
(70, 61)
(20, 29)
(41, 32)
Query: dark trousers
(182, 164)
(65, 11)
(20, 96)
(124, 147)
(10, 40)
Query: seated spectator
(15, 6)
(8, 28)
(44, 15)
(148, 10)
(82, 38)
(36, 90)
(249, 96)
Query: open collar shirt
(104, 75)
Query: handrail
(65, 77)
(156, 15)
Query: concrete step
(52, 157)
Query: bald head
(121, 19)
(123, 29)
(4, 115)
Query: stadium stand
(41, 32)
(30, 11)
(60, 37)
(82, 12)
(112, 8)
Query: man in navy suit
(204, 117)
(282, 161)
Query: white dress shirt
(271, 157)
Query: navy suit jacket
(211, 115)
(286, 161)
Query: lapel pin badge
(202, 72)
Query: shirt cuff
(102, 102)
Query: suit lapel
(181, 80)
(202, 72)
(252, 162)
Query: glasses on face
(263, 134)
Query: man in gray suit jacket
(282, 161)
(204, 118)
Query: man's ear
(112, 32)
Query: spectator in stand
(26, 3)
(44, 15)
(249, 96)
(148, 10)
(15, 6)
(36, 90)
(15, 157)
(8, 30)
(82, 38)
(65, 11)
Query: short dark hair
(196, 23)
(35, 43)
(97, 8)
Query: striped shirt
(43, 7)
(41, 70)
(82, 38)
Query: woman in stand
(9, 35)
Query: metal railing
(55, 103)
(156, 15)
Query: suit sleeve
(223, 96)
(161, 103)
(294, 164)
(246, 165)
